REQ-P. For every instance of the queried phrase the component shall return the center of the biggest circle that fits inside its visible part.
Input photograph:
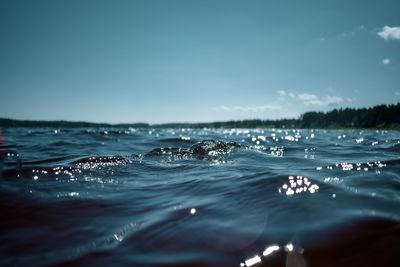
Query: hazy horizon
(181, 122)
(195, 61)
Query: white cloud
(307, 97)
(282, 93)
(329, 101)
(386, 61)
(388, 33)
(397, 93)
(249, 108)
(314, 100)
(350, 33)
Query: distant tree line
(64, 124)
(381, 116)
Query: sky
(195, 61)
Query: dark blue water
(199, 197)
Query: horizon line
(186, 122)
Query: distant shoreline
(377, 117)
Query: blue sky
(190, 61)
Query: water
(169, 197)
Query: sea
(199, 197)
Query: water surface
(199, 197)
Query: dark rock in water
(206, 146)
(167, 151)
(204, 150)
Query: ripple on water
(200, 197)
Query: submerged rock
(167, 151)
(206, 147)
(204, 150)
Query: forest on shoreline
(379, 117)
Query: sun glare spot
(298, 185)
(289, 247)
(270, 250)
(252, 261)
